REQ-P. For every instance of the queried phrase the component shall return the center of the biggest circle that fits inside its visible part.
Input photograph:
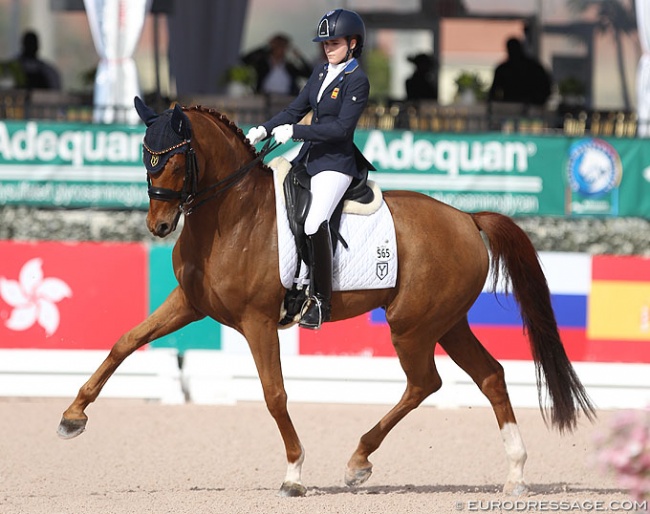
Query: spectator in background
(31, 71)
(520, 78)
(423, 84)
(278, 66)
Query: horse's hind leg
(172, 315)
(466, 351)
(422, 379)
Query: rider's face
(337, 49)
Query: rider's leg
(320, 294)
(327, 188)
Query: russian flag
(494, 318)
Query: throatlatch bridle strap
(189, 194)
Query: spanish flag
(619, 304)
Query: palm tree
(619, 18)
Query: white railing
(217, 377)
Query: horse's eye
(178, 168)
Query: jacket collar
(352, 65)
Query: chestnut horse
(226, 264)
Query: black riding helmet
(342, 23)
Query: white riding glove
(256, 134)
(282, 133)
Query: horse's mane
(228, 123)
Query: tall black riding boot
(320, 294)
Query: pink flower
(624, 450)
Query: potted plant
(572, 90)
(470, 88)
(240, 80)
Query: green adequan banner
(78, 165)
(72, 165)
(512, 175)
(517, 175)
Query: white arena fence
(218, 377)
(152, 374)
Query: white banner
(116, 26)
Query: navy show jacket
(329, 139)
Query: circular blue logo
(594, 167)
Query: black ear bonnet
(167, 134)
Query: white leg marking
(294, 469)
(515, 451)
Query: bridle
(189, 195)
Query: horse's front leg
(173, 314)
(263, 340)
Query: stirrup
(313, 314)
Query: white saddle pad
(369, 262)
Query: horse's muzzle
(162, 227)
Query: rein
(189, 193)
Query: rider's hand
(282, 133)
(256, 134)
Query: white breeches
(327, 189)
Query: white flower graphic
(34, 298)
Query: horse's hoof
(516, 489)
(355, 477)
(69, 428)
(292, 490)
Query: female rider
(337, 93)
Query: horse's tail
(514, 257)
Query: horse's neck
(245, 209)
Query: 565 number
(383, 252)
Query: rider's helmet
(342, 23)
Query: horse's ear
(180, 122)
(146, 113)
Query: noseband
(189, 195)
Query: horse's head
(173, 151)
(171, 166)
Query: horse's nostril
(163, 228)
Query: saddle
(297, 195)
